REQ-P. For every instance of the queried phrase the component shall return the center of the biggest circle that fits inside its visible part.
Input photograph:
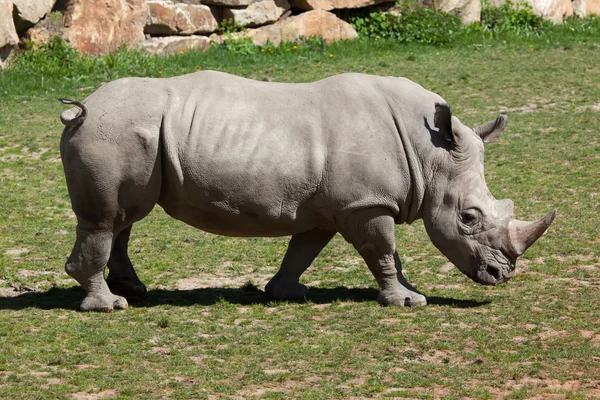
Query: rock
(585, 8)
(394, 10)
(100, 27)
(216, 38)
(335, 4)
(468, 10)
(228, 3)
(553, 10)
(259, 13)
(27, 13)
(172, 45)
(8, 33)
(166, 18)
(311, 23)
(51, 25)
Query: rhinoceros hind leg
(301, 252)
(122, 278)
(371, 231)
(86, 265)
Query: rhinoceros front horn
(523, 234)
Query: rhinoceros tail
(73, 116)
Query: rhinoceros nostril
(495, 272)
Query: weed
(518, 19)
(415, 25)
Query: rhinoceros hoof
(281, 289)
(104, 303)
(126, 287)
(401, 300)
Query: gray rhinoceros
(354, 154)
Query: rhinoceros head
(466, 223)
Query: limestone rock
(50, 26)
(552, 10)
(312, 23)
(259, 13)
(584, 8)
(172, 45)
(335, 4)
(27, 13)
(468, 10)
(228, 3)
(8, 33)
(166, 18)
(216, 38)
(99, 27)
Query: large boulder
(101, 27)
(8, 33)
(260, 13)
(228, 3)
(167, 18)
(312, 23)
(468, 10)
(553, 10)
(27, 13)
(584, 8)
(172, 45)
(51, 25)
(335, 4)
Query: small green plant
(513, 18)
(235, 39)
(303, 45)
(56, 54)
(59, 59)
(586, 29)
(229, 26)
(416, 24)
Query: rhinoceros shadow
(69, 298)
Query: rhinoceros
(352, 154)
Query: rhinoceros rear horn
(491, 130)
(523, 234)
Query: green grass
(206, 328)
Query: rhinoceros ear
(443, 121)
(491, 130)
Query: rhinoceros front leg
(122, 278)
(86, 265)
(371, 231)
(403, 280)
(301, 252)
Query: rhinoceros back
(237, 161)
(246, 158)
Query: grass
(206, 328)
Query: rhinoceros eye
(469, 218)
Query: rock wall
(170, 27)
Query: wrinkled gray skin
(353, 154)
